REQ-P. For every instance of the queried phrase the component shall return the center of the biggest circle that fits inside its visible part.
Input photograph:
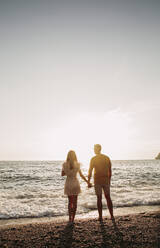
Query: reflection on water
(35, 188)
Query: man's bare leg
(110, 205)
(99, 206)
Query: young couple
(102, 178)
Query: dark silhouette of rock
(158, 156)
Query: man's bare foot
(100, 219)
(70, 223)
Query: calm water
(35, 188)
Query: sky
(76, 73)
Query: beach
(132, 230)
(34, 213)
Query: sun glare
(110, 129)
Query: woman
(72, 187)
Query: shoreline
(123, 211)
(133, 230)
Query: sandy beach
(133, 230)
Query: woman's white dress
(72, 186)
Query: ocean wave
(138, 203)
(86, 209)
(36, 196)
(36, 189)
(93, 206)
(40, 215)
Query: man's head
(97, 149)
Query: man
(102, 178)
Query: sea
(34, 189)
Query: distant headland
(158, 156)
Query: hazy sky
(75, 73)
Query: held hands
(89, 185)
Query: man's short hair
(98, 147)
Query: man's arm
(90, 171)
(110, 171)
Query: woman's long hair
(71, 159)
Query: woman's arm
(84, 178)
(63, 173)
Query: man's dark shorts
(98, 189)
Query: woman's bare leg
(74, 206)
(70, 206)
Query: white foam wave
(93, 206)
(134, 183)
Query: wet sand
(133, 230)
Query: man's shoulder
(100, 156)
(107, 159)
(93, 158)
(105, 156)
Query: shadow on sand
(108, 240)
(66, 236)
